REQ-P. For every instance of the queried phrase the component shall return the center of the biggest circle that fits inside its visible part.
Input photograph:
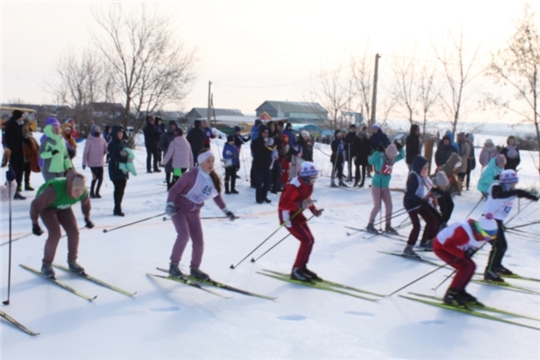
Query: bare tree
(405, 72)
(362, 80)
(428, 94)
(518, 66)
(80, 78)
(459, 71)
(150, 67)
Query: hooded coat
(489, 151)
(151, 135)
(164, 142)
(94, 149)
(444, 151)
(59, 162)
(179, 154)
(511, 153)
(115, 148)
(417, 186)
(464, 152)
(489, 176)
(412, 144)
(361, 148)
(378, 139)
(31, 151)
(450, 164)
(196, 137)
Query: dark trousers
(18, 166)
(262, 183)
(430, 230)
(97, 178)
(337, 169)
(230, 178)
(27, 172)
(498, 249)
(119, 187)
(467, 178)
(465, 268)
(152, 152)
(276, 177)
(446, 204)
(357, 174)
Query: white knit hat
(308, 169)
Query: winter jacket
(511, 153)
(291, 135)
(164, 142)
(348, 141)
(69, 137)
(338, 151)
(448, 169)
(471, 161)
(489, 176)
(378, 139)
(383, 168)
(464, 152)
(262, 153)
(14, 139)
(412, 144)
(295, 198)
(444, 151)
(230, 155)
(151, 135)
(115, 147)
(361, 148)
(196, 137)
(417, 186)
(209, 134)
(94, 150)
(59, 162)
(31, 151)
(179, 153)
(487, 153)
(307, 149)
(452, 142)
(457, 238)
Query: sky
(254, 51)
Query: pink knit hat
(391, 151)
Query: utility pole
(209, 112)
(374, 98)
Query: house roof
(106, 106)
(292, 106)
(200, 112)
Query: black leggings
(499, 247)
(97, 177)
(119, 187)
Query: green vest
(63, 200)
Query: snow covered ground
(170, 320)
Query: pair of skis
(197, 283)
(325, 285)
(473, 309)
(84, 276)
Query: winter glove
(89, 224)
(84, 167)
(381, 148)
(305, 204)
(526, 194)
(10, 175)
(470, 252)
(229, 214)
(54, 152)
(317, 212)
(398, 145)
(36, 229)
(286, 219)
(169, 209)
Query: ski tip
(104, 230)
(252, 260)
(232, 266)
(164, 218)
(5, 302)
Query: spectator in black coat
(262, 148)
(412, 145)
(117, 176)
(14, 142)
(511, 152)
(444, 150)
(307, 146)
(361, 149)
(337, 158)
(348, 141)
(378, 138)
(164, 142)
(151, 140)
(196, 138)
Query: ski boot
(426, 245)
(174, 270)
(453, 298)
(371, 228)
(75, 268)
(298, 274)
(342, 184)
(311, 274)
(333, 184)
(468, 298)
(504, 271)
(47, 270)
(490, 275)
(409, 253)
(28, 187)
(390, 230)
(199, 274)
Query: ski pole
(6, 302)
(265, 240)
(523, 225)
(420, 278)
(276, 244)
(13, 240)
(446, 278)
(475, 206)
(135, 222)
(519, 211)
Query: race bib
(386, 169)
(202, 190)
